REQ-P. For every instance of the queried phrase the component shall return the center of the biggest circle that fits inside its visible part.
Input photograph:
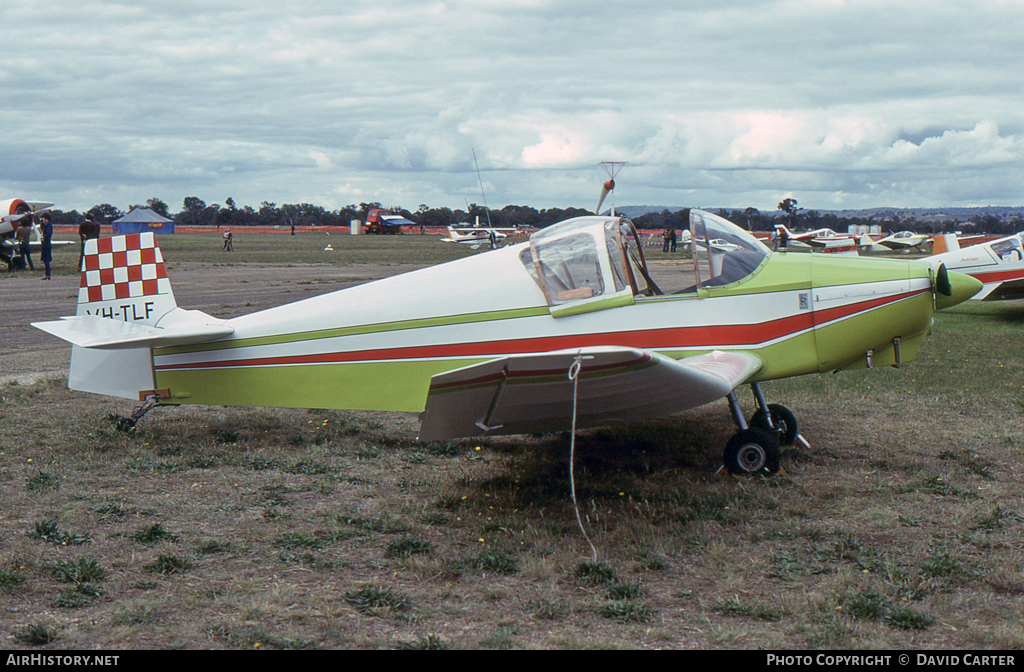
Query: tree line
(196, 212)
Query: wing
(1001, 291)
(533, 393)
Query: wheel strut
(762, 405)
(128, 424)
(755, 447)
(737, 412)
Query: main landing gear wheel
(752, 451)
(783, 420)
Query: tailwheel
(752, 451)
(782, 419)
(127, 425)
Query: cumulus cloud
(981, 146)
(727, 104)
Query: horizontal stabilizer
(533, 393)
(183, 327)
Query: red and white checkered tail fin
(123, 278)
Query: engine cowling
(10, 211)
(13, 210)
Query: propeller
(942, 284)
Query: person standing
(88, 229)
(23, 234)
(46, 252)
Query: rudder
(124, 278)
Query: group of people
(23, 238)
(88, 229)
(668, 239)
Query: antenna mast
(482, 194)
(612, 168)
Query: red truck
(385, 221)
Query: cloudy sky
(732, 103)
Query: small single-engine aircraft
(904, 241)
(999, 265)
(36, 241)
(810, 238)
(15, 212)
(822, 240)
(577, 297)
(476, 236)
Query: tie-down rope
(574, 372)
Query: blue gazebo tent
(141, 220)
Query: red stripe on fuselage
(999, 276)
(646, 339)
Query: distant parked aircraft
(15, 212)
(476, 236)
(904, 240)
(822, 240)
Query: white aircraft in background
(903, 241)
(999, 265)
(36, 242)
(813, 238)
(480, 235)
(13, 210)
(821, 240)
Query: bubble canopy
(593, 263)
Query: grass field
(214, 527)
(304, 248)
(280, 248)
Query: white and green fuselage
(576, 286)
(376, 346)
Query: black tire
(782, 419)
(752, 451)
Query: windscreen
(1009, 249)
(568, 266)
(723, 253)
